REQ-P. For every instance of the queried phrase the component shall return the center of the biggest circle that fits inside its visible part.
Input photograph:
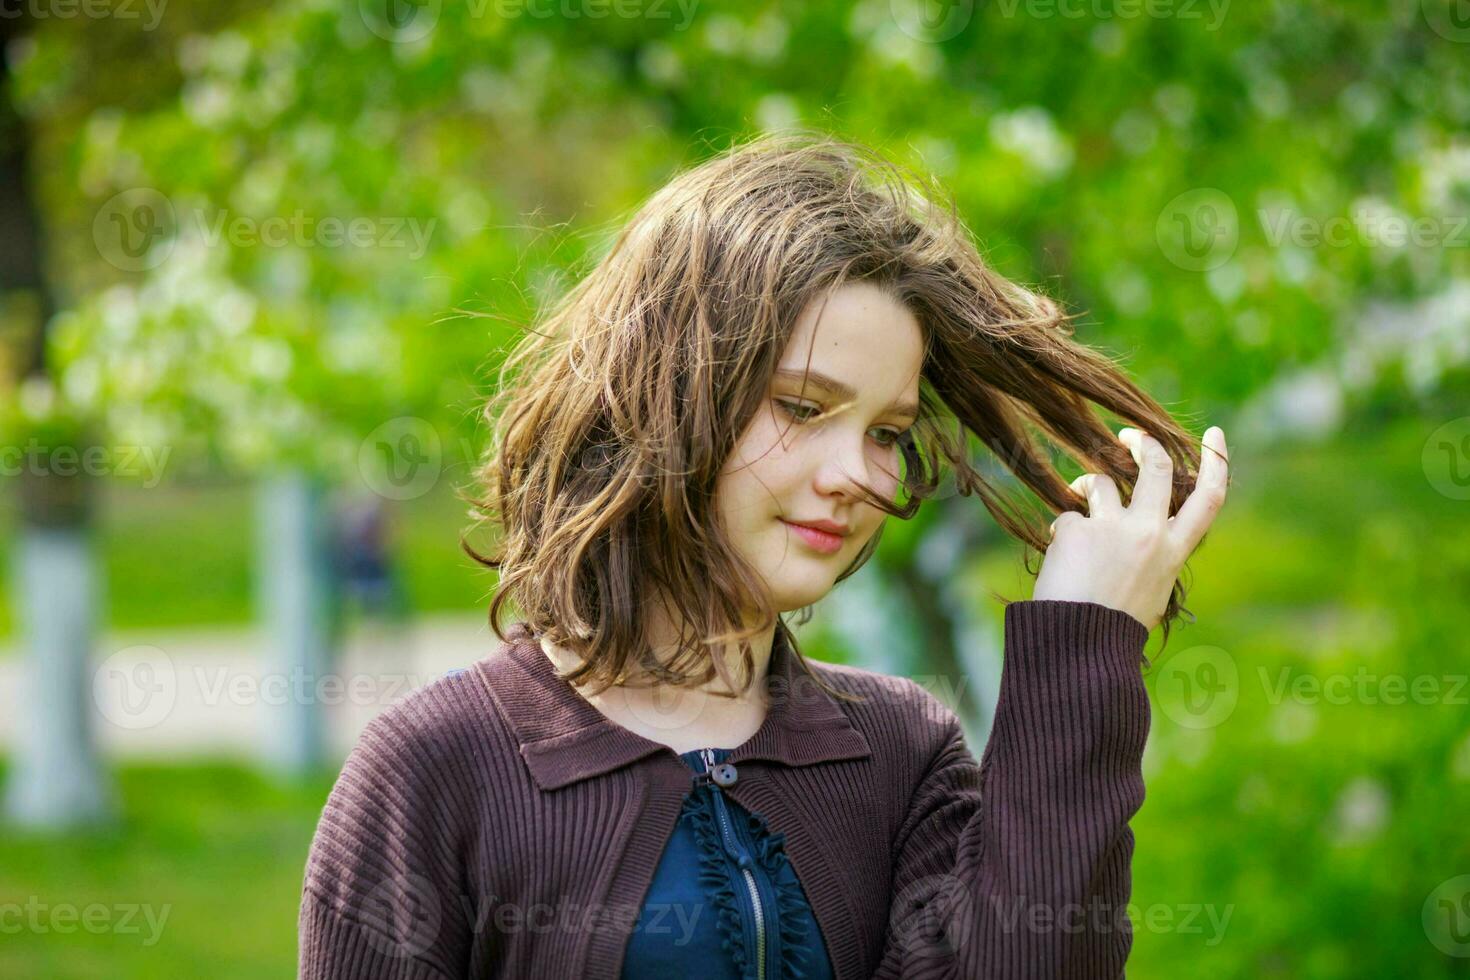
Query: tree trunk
(57, 780)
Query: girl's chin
(795, 591)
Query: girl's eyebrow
(843, 391)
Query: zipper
(742, 858)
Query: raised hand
(1128, 558)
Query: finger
(1154, 489)
(1204, 502)
(1062, 518)
(1101, 493)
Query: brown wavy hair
(614, 416)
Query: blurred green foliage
(514, 145)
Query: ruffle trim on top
(715, 874)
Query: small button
(724, 774)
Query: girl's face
(866, 352)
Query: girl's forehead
(855, 312)
(862, 342)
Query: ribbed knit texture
(495, 824)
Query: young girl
(647, 778)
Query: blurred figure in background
(363, 567)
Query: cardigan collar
(563, 738)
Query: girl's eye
(796, 411)
(890, 438)
(805, 413)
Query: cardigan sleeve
(382, 893)
(1019, 866)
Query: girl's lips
(821, 541)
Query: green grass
(215, 851)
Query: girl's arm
(1018, 866)
(382, 895)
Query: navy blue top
(724, 883)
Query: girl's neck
(761, 646)
(683, 718)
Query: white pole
(295, 593)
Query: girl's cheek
(885, 465)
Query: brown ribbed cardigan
(495, 824)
